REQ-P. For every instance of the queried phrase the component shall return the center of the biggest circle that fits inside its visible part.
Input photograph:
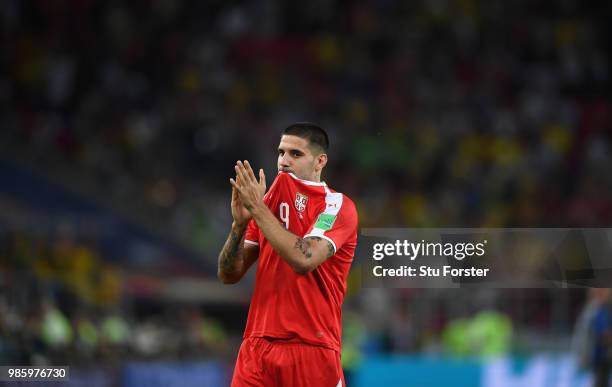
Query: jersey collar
(307, 182)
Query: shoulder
(346, 205)
(346, 200)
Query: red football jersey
(288, 305)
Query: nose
(284, 161)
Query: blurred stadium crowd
(442, 113)
(61, 303)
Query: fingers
(262, 178)
(241, 173)
(249, 171)
(235, 185)
(245, 172)
(245, 175)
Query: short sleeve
(337, 223)
(251, 237)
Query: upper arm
(337, 223)
(335, 226)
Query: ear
(321, 161)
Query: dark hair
(311, 132)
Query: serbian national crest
(300, 202)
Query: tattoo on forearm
(330, 247)
(234, 244)
(231, 252)
(304, 246)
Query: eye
(281, 152)
(296, 154)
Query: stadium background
(121, 122)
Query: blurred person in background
(56, 331)
(86, 334)
(304, 235)
(592, 340)
(114, 334)
(486, 335)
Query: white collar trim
(307, 182)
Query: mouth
(285, 170)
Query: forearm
(231, 255)
(294, 250)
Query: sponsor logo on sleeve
(325, 221)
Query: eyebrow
(290, 150)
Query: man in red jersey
(303, 235)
